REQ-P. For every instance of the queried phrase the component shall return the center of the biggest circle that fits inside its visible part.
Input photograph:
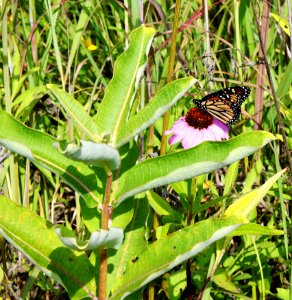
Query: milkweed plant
(118, 255)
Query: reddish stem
(102, 293)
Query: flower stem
(102, 293)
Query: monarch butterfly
(224, 105)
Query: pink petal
(174, 139)
(190, 136)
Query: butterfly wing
(221, 110)
(224, 105)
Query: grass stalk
(170, 71)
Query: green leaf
(38, 147)
(285, 83)
(1, 272)
(128, 69)
(111, 238)
(36, 239)
(223, 281)
(95, 154)
(162, 231)
(246, 204)
(77, 112)
(283, 294)
(230, 178)
(161, 207)
(177, 283)
(164, 99)
(256, 229)
(27, 100)
(134, 242)
(184, 164)
(165, 254)
(253, 176)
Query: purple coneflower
(196, 127)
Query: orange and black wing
(224, 105)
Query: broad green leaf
(165, 98)
(123, 215)
(111, 238)
(128, 69)
(77, 112)
(38, 147)
(256, 229)
(95, 154)
(134, 242)
(244, 205)
(184, 164)
(36, 238)
(165, 254)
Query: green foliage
(185, 164)
(84, 91)
(36, 237)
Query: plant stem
(102, 293)
(191, 200)
(208, 62)
(272, 86)
(170, 71)
(259, 92)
